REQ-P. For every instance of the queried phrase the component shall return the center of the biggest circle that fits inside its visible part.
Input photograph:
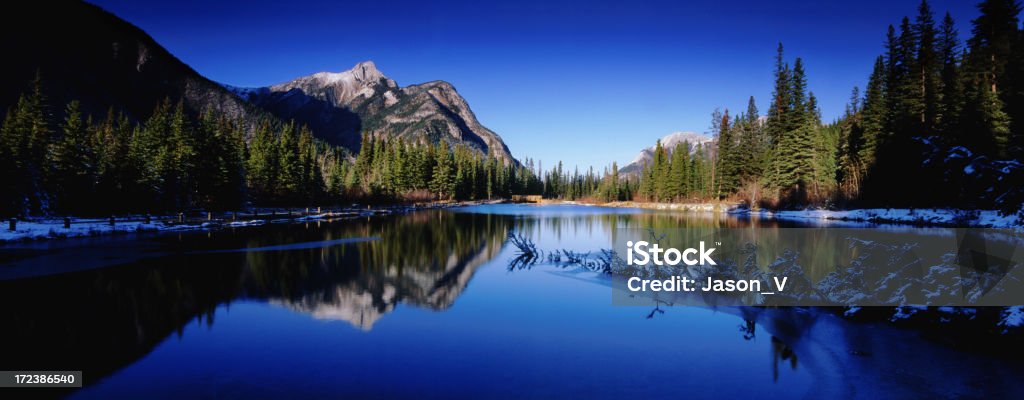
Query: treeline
(398, 169)
(940, 124)
(560, 184)
(74, 164)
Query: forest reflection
(102, 319)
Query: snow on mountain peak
(362, 74)
(669, 142)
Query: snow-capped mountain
(669, 142)
(340, 106)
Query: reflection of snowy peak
(340, 106)
(669, 142)
(364, 301)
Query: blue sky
(585, 82)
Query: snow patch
(1012, 317)
(928, 216)
(45, 229)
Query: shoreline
(52, 228)
(930, 217)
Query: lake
(425, 305)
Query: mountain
(669, 142)
(108, 63)
(339, 106)
(85, 53)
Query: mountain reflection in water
(193, 313)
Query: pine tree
(726, 160)
(875, 111)
(659, 172)
(175, 167)
(793, 154)
(11, 161)
(71, 163)
(778, 112)
(289, 169)
(262, 165)
(928, 67)
(995, 33)
(952, 101)
(443, 180)
(679, 171)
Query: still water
(425, 305)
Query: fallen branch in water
(530, 255)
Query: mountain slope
(95, 57)
(669, 142)
(339, 106)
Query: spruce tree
(262, 165)
(70, 163)
(726, 160)
(928, 67)
(952, 101)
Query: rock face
(102, 61)
(340, 106)
(669, 142)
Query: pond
(425, 305)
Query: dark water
(424, 305)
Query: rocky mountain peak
(340, 106)
(367, 71)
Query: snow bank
(929, 216)
(1013, 317)
(31, 230)
(54, 229)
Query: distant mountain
(339, 106)
(85, 53)
(669, 142)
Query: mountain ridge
(111, 64)
(108, 64)
(340, 106)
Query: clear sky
(586, 82)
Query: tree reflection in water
(781, 352)
(103, 319)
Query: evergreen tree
(443, 180)
(262, 165)
(995, 33)
(679, 171)
(928, 70)
(726, 160)
(71, 163)
(952, 101)
(659, 172)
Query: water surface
(424, 305)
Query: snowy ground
(47, 229)
(923, 216)
(54, 229)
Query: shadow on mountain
(102, 61)
(337, 125)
